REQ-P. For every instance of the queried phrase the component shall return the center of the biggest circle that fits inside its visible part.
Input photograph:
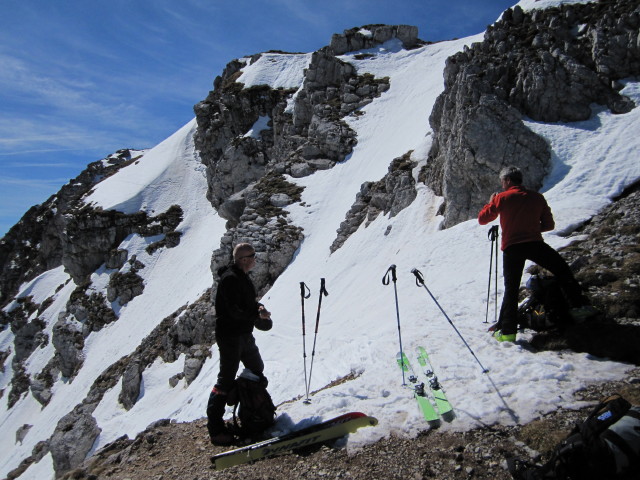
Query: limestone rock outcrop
(390, 195)
(549, 65)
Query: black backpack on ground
(546, 306)
(253, 410)
(605, 446)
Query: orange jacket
(524, 215)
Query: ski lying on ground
(428, 411)
(328, 430)
(442, 403)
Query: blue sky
(81, 79)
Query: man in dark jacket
(524, 215)
(237, 313)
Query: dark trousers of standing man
(233, 350)
(514, 258)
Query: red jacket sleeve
(546, 219)
(488, 213)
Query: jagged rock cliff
(305, 132)
(549, 65)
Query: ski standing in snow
(428, 393)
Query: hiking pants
(233, 350)
(514, 258)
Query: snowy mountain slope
(592, 162)
(168, 174)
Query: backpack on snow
(546, 307)
(605, 446)
(253, 409)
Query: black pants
(514, 258)
(233, 350)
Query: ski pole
(493, 236)
(420, 283)
(323, 291)
(385, 281)
(304, 293)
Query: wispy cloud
(40, 165)
(33, 183)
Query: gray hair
(241, 249)
(512, 173)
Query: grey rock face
(90, 236)
(131, 381)
(68, 341)
(275, 243)
(124, 286)
(21, 433)
(196, 356)
(390, 195)
(117, 259)
(549, 65)
(300, 141)
(35, 244)
(369, 36)
(465, 170)
(41, 391)
(72, 440)
(244, 174)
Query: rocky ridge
(306, 132)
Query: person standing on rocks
(524, 215)
(237, 313)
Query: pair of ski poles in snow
(391, 272)
(305, 293)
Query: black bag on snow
(253, 410)
(546, 307)
(605, 446)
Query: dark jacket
(236, 305)
(524, 215)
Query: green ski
(427, 409)
(442, 403)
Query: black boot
(215, 411)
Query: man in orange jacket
(524, 215)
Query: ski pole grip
(323, 290)
(419, 277)
(385, 279)
(493, 233)
(304, 290)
